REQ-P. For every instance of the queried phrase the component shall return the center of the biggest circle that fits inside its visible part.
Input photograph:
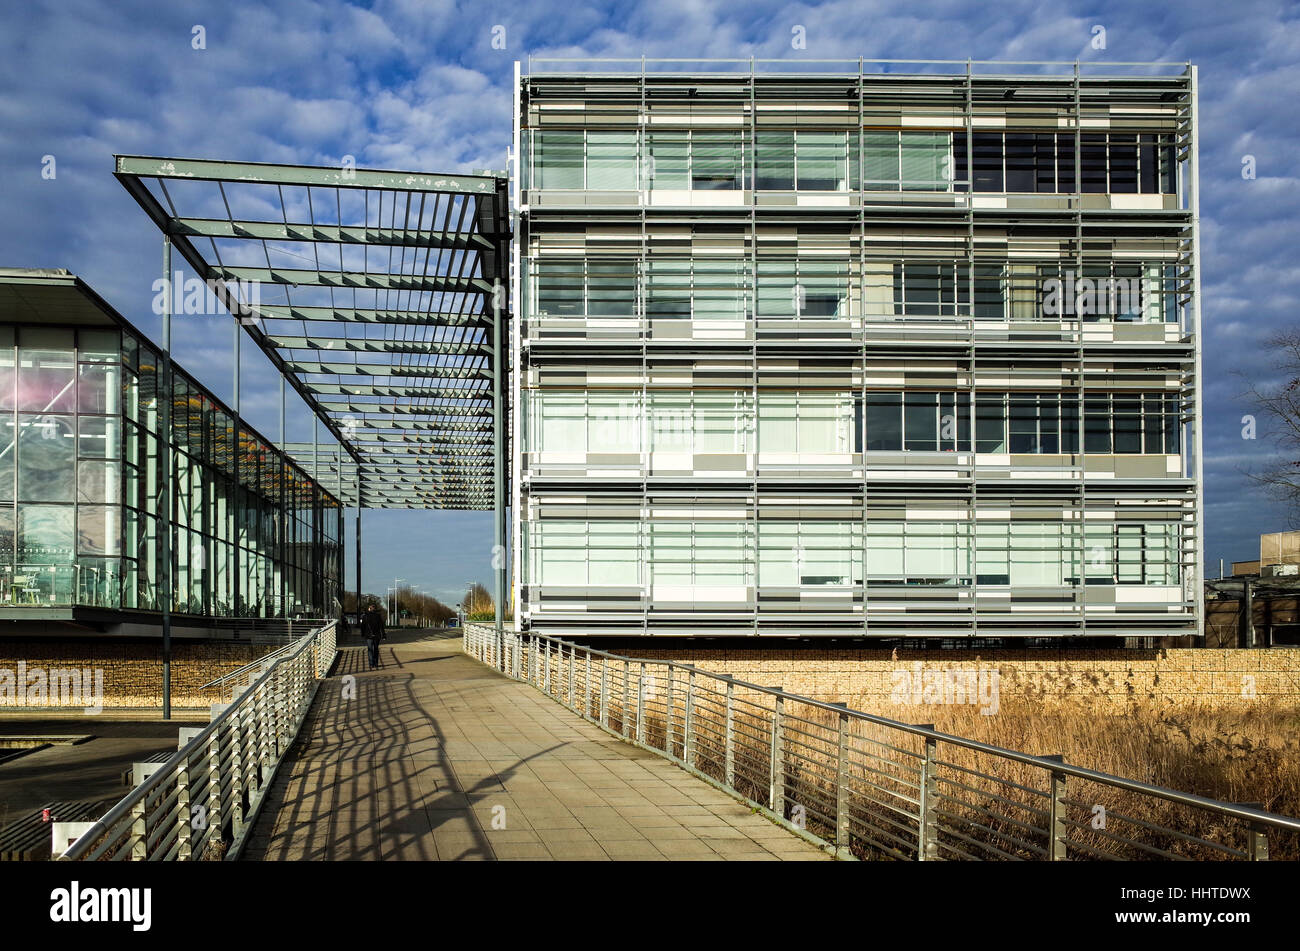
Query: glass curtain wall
(79, 489)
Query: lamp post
(419, 604)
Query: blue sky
(417, 84)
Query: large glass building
(254, 536)
(857, 353)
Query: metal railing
(202, 802)
(228, 682)
(869, 787)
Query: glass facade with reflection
(80, 458)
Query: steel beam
(275, 174)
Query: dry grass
(990, 807)
(1236, 755)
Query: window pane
(667, 288)
(775, 161)
(1021, 175)
(1096, 433)
(1123, 162)
(46, 450)
(669, 159)
(1045, 162)
(1148, 164)
(881, 153)
(97, 346)
(560, 288)
(611, 288)
(1093, 160)
(1128, 432)
(611, 160)
(884, 422)
(987, 157)
(920, 421)
(924, 160)
(777, 421)
(99, 481)
(1022, 425)
(716, 160)
(1065, 162)
(98, 388)
(990, 429)
(45, 535)
(98, 530)
(559, 159)
(45, 370)
(822, 161)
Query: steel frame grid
(433, 238)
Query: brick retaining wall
(867, 677)
(132, 669)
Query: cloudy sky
(418, 84)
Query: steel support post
(729, 736)
(163, 584)
(842, 789)
(688, 724)
(1060, 830)
(498, 466)
(927, 843)
(640, 702)
(776, 786)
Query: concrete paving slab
(412, 767)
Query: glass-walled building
(80, 460)
(857, 354)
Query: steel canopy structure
(381, 298)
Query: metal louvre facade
(876, 351)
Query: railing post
(237, 773)
(546, 672)
(729, 736)
(927, 844)
(1257, 846)
(1256, 837)
(214, 790)
(688, 725)
(603, 709)
(668, 712)
(842, 790)
(640, 702)
(183, 811)
(139, 831)
(627, 700)
(776, 786)
(586, 685)
(573, 666)
(1056, 851)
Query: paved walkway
(438, 757)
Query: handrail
(945, 782)
(292, 680)
(261, 661)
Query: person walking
(372, 629)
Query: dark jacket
(372, 625)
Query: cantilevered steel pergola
(381, 297)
